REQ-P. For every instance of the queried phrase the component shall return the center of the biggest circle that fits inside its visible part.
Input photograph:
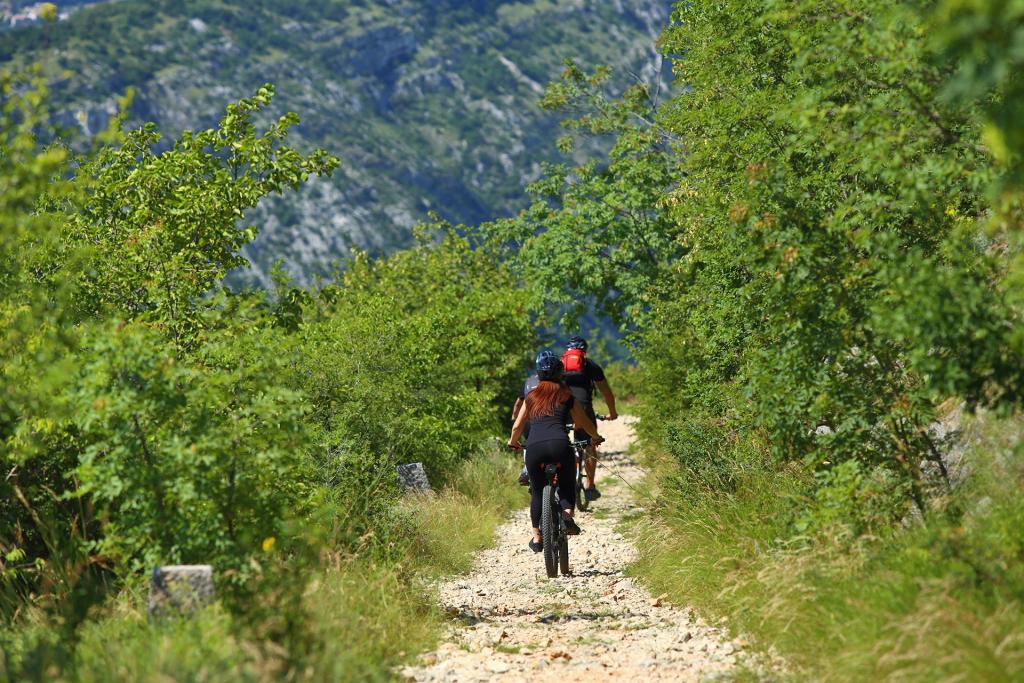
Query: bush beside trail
(151, 416)
(813, 245)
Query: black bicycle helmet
(577, 342)
(545, 353)
(550, 368)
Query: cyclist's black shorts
(588, 408)
(537, 456)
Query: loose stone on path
(516, 624)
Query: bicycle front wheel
(581, 500)
(563, 552)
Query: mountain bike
(552, 526)
(581, 445)
(553, 534)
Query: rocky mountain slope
(431, 105)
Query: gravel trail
(515, 624)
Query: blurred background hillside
(430, 105)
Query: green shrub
(347, 609)
(156, 417)
(913, 602)
(190, 461)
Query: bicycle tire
(582, 504)
(549, 531)
(563, 551)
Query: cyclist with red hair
(547, 410)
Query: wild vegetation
(151, 416)
(813, 244)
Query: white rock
(498, 666)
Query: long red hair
(542, 401)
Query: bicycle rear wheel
(549, 531)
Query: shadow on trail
(586, 573)
(572, 616)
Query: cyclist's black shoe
(571, 527)
(591, 493)
(536, 546)
(524, 477)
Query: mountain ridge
(432, 108)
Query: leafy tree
(424, 351)
(48, 12)
(34, 344)
(598, 232)
(158, 417)
(796, 233)
(163, 227)
(837, 198)
(121, 444)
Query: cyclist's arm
(516, 408)
(583, 421)
(609, 397)
(517, 428)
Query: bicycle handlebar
(600, 418)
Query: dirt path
(516, 624)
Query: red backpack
(575, 361)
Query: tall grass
(361, 615)
(934, 601)
(452, 526)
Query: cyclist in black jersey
(547, 409)
(582, 384)
(529, 385)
